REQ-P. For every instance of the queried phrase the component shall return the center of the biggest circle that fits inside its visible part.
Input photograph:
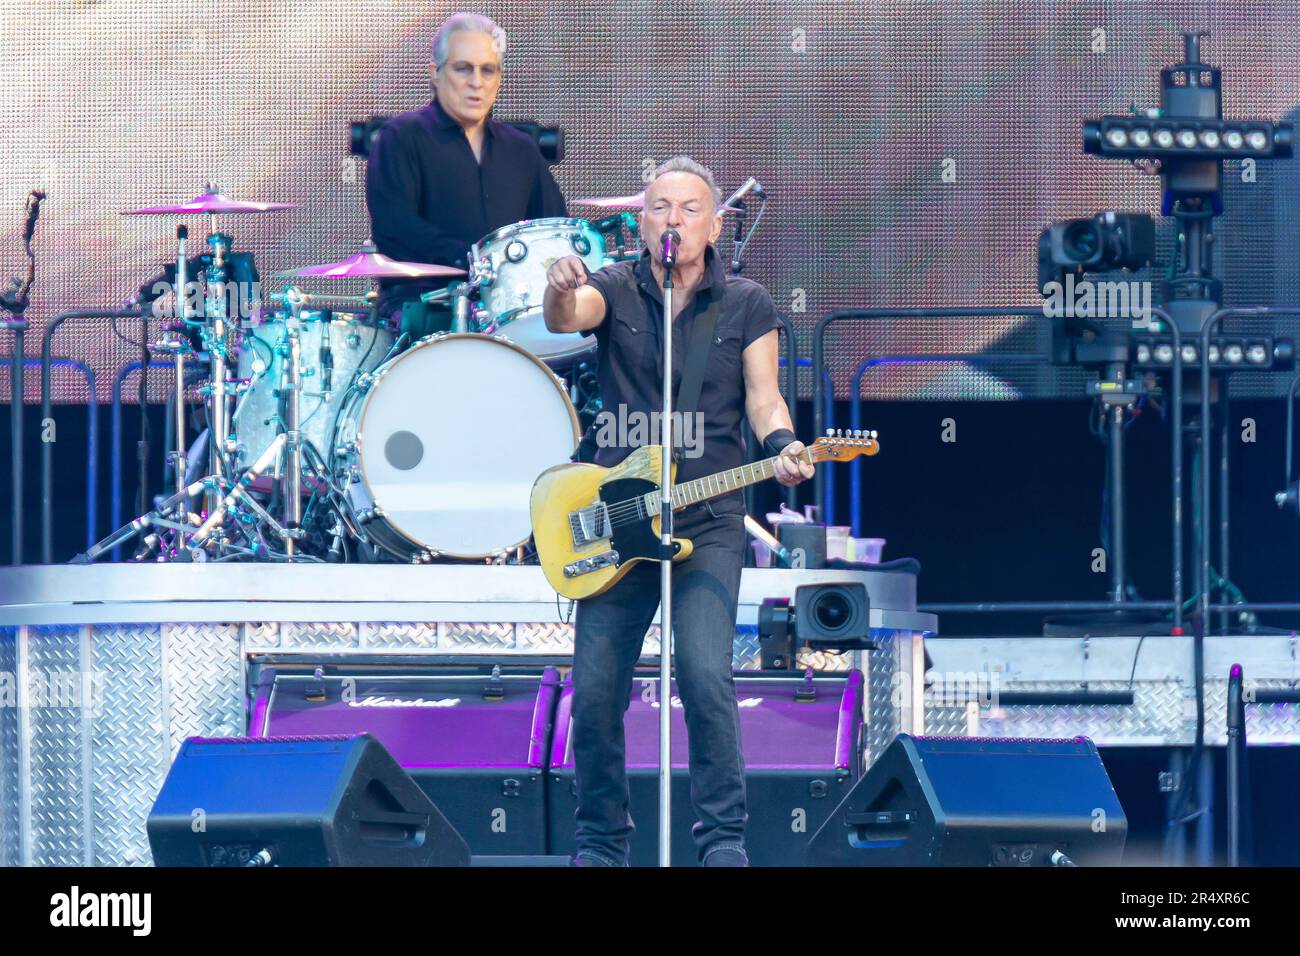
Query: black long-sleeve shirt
(430, 199)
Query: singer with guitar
(728, 324)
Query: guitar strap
(697, 357)
(692, 381)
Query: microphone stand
(666, 552)
(15, 300)
(1236, 753)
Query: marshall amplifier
(474, 740)
(799, 735)
(970, 801)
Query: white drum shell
(511, 264)
(354, 346)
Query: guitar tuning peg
(875, 434)
(830, 433)
(857, 433)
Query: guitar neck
(716, 485)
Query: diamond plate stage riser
(10, 821)
(1162, 714)
(130, 740)
(205, 682)
(481, 638)
(889, 704)
(106, 709)
(95, 772)
(57, 784)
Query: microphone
(33, 212)
(751, 185)
(326, 360)
(182, 285)
(671, 240)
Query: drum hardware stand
(237, 493)
(215, 334)
(177, 345)
(618, 227)
(458, 295)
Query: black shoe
(586, 859)
(726, 856)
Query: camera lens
(1081, 241)
(833, 612)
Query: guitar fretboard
(715, 485)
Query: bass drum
(439, 454)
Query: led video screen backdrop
(850, 113)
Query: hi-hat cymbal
(210, 203)
(369, 264)
(635, 201)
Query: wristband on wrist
(775, 442)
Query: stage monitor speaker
(953, 801)
(296, 801)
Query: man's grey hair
(684, 164)
(465, 23)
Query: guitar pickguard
(633, 539)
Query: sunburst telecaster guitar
(592, 524)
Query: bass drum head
(452, 436)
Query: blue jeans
(608, 633)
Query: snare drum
(438, 454)
(509, 266)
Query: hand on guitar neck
(792, 466)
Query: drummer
(442, 177)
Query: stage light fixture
(1267, 355)
(1127, 137)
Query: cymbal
(210, 203)
(635, 201)
(369, 264)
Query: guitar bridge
(606, 559)
(589, 524)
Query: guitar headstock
(845, 444)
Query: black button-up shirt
(629, 365)
(430, 199)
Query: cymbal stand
(215, 334)
(291, 375)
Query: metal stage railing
(115, 429)
(822, 420)
(47, 411)
(92, 438)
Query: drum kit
(332, 437)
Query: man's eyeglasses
(490, 72)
